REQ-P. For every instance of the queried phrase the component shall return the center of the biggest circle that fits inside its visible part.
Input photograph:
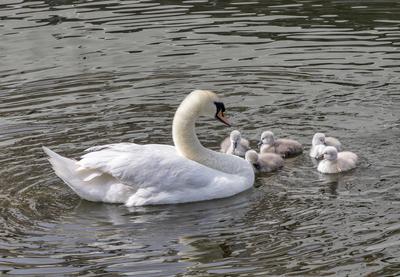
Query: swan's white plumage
(156, 174)
(104, 188)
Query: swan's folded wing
(150, 165)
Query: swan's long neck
(188, 145)
(184, 135)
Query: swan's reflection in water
(158, 234)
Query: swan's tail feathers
(61, 165)
(66, 169)
(89, 184)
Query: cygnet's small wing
(346, 160)
(331, 141)
(288, 147)
(225, 144)
(269, 162)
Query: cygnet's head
(235, 138)
(203, 102)
(267, 137)
(318, 139)
(330, 153)
(251, 156)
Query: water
(74, 74)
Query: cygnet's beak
(320, 157)
(234, 145)
(221, 117)
(259, 143)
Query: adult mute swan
(335, 162)
(235, 144)
(284, 147)
(153, 174)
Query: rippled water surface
(74, 74)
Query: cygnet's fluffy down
(319, 142)
(266, 162)
(335, 162)
(331, 141)
(235, 144)
(284, 147)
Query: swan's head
(330, 153)
(206, 103)
(318, 139)
(267, 137)
(235, 138)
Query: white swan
(319, 142)
(284, 147)
(235, 144)
(138, 175)
(265, 162)
(335, 162)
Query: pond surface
(74, 74)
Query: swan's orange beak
(221, 117)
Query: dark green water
(74, 74)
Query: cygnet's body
(265, 162)
(283, 147)
(335, 162)
(235, 144)
(320, 142)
